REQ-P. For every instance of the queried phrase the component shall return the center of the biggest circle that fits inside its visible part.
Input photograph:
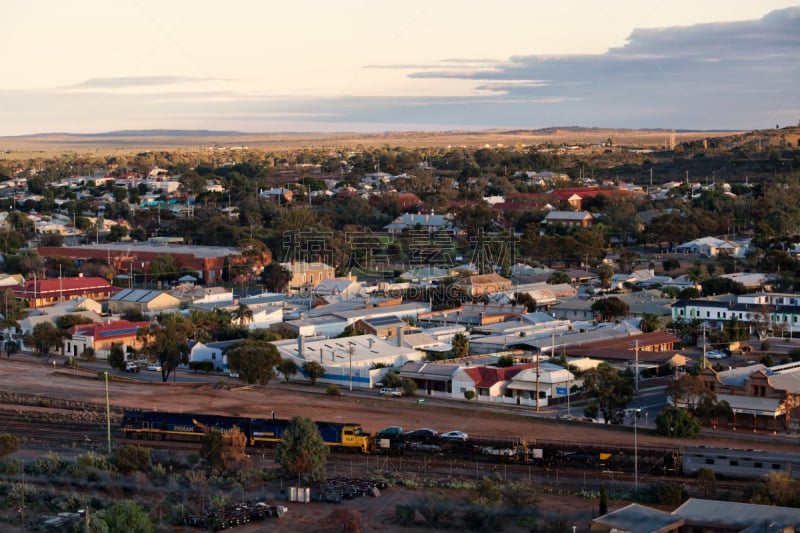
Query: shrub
(469, 395)
(8, 444)
(669, 494)
(333, 390)
(131, 458)
(71, 362)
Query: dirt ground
(371, 411)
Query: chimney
(370, 341)
(399, 337)
(300, 346)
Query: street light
(635, 451)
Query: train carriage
(178, 426)
(737, 463)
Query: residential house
(712, 247)
(482, 284)
(551, 381)
(761, 398)
(213, 352)
(441, 380)
(44, 292)
(385, 327)
(490, 383)
(101, 337)
(571, 219)
(306, 275)
(73, 305)
(762, 311)
(342, 287)
(430, 223)
(143, 301)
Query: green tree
(168, 342)
(608, 391)
(301, 451)
(505, 361)
(255, 361)
(392, 380)
(127, 516)
(51, 239)
(610, 308)
(409, 387)
(211, 449)
(558, 277)
(707, 482)
(313, 371)
(288, 368)
(65, 322)
(650, 322)
(116, 233)
(687, 391)
(605, 272)
(460, 345)
(275, 277)
(350, 331)
(44, 337)
(116, 356)
(11, 347)
(8, 444)
(163, 267)
(677, 423)
(242, 315)
(524, 298)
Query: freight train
(731, 463)
(159, 425)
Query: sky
(90, 66)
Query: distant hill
(193, 139)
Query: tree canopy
(608, 391)
(168, 342)
(610, 308)
(254, 360)
(301, 451)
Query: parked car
(455, 435)
(391, 392)
(233, 374)
(131, 366)
(716, 354)
(155, 367)
(423, 432)
(390, 431)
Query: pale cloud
(731, 75)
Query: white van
(385, 391)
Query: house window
(709, 461)
(213, 355)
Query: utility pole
(636, 375)
(108, 415)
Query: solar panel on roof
(380, 321)
(121, 331)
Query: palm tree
(242, 315)
(460, 345)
